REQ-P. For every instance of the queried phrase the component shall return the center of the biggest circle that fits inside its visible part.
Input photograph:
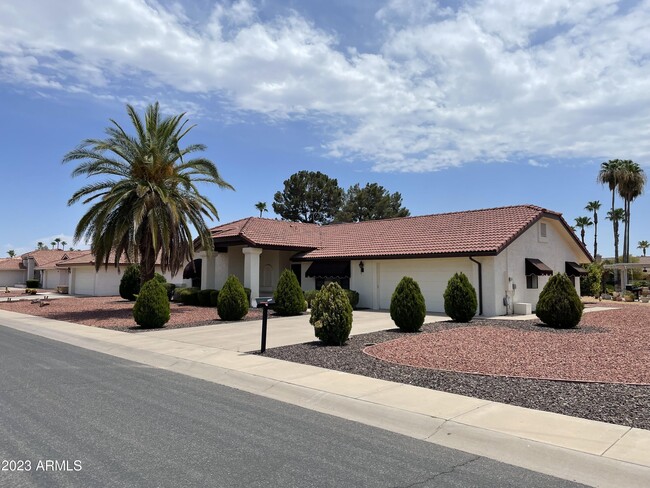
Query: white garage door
(84, 282)
(431, 274)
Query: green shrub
(31, 291)
(309, 297)
(460, 299)
(591, 284)
(214, 297)
(151, 309)
(204, 297)
(331, 315)
(353, 296)
(32, 283)
(288, 297)
(559, 305)
(189, 296)
(160, 278)
(170, 288)
(407, 306)
(232, 303)
(130, 282)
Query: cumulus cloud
(489, 80)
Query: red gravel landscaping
(115, 313)
(607, 346)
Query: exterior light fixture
(361, 266)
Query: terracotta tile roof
(268, 232)
(11, 264)
(48, 258)
(486, 231)
(87, 258)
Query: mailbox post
(264, 303)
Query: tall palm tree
(631, 183)
(616, 215)
(40, 245)
(608, 175)
(643, 245)
(148, 203)
(52, 244)
(594, 207)
(261, 206)
(581, 223)
(63, 244)
(11, 253)
(58, 241)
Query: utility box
(523, 309)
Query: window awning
(193, 270)
(536, 267)
(574, 269)
(329, 269)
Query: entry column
(252, 271)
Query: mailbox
(264, 302)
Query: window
(543, 232)
(531, 281)
(297, 270)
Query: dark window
(531, 281)
(297, 270)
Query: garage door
(431, 274)
(84, 282)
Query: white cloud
(491, 80)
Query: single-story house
(39, 264)
(82, 279)
(507, 253)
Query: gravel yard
(116, 313)
(502, 361)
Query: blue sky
(456, 105)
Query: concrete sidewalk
(593, 453)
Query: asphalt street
(73, 417)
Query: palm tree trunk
(595, 234)
(582, 236)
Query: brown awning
(193, 270)
(329, 269)
(536, 267)
(574, 269)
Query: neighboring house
(84, 280)
(38, 265)
(12, 272)
(507, 253)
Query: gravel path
(509, 348)
(116, 313)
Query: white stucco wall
(12, 277)
(510, 265)
(105, 282)
(51, 278)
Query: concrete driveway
(282, 331)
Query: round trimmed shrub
(130, 282)
(214, 297)
(460, 298)
(151, 309)
(331, 315)
(204, 297)
(32, 283)
(232, 303)
(189, 296)
(559, 305)
(407, 306)
(353, 296)
(288, 297)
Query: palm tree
(261, 206)
(608, 175)
(616, 216)
(53, 244)
(40, 245)
(147, 207)
(58, 241)
(63, 244)
(594, 207)
(643, 245)
(582, 222)
(631, 182)
(11, 253)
